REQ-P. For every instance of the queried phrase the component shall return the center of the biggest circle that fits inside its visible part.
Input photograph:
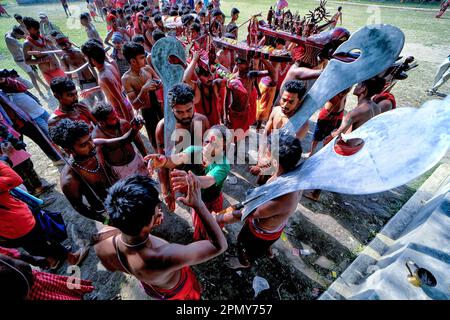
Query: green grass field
(426, 37)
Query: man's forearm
(212, 229)
(206, 181)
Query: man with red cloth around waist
(265, 225)
(35, 43)
(163, 268)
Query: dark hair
(138, 39)
(234, 11)
(158, 34)
(339, 8)
(186, 18)
(289, 151)
(295, 86)
(119, 11)
(131, 49)
(216, 12)
(66, 132)
(131, 203)
(202, 13)
(84, 16)
(173, 13)
(145, 19)
(94, 50)
(102, 110)
(18, 16)
(31, 23)
(144, 3)
(12, 273)
(210, 6)
(158, 18)
(280, 41)
(61, 85)
(114, 12)
(18, 30)
(155, 12)
(127, 17)
(141, 8)
(196, 27)
(180, 93)
(146, 10)
(133, 7)
(230, 35)
(55, 33)
(374, 86)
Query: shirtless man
(65, 92)
(108, 79)
(292, 97)
(181, 99)
(330, 118)
(112, 22)
(74, 59)
(265, 225)
(162, 267)
(116, 137)
(225, 56)
(366, 108)
(140, 84)
(86, 175)
(209, 96)
(91, 31)
(47, 63)
(16, 48)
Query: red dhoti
(49, 75)
(385, 96)
(187, 288)
(199, 231)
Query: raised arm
(125, 139)
(189, 72)
(197, 252)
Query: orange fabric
(264, 104)
(188, 288)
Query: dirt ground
(333, 231)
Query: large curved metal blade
(380, 45)
(170, 75)
(399, 146)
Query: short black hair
(94, 50)
(187, 18)
(144, 3)
(196, 27)
(158, 34)
(119, 10)
(114, 12)
(374, 85)
(131, 49)
(134, 8)
(280, 41)
(84, 16)
(216, 12)
(235, 11)
(102, 110)
(138, 39)
(66, 132)
(61, 85)
(127, 17)
(131, 203)
(158, 18)
(141, 8)
(18, 16)
(295, 86)
(180, 93)
(18, 30)
(289, 151)
(30, 22)
(339, 8)
(55, 33)
(145, 19)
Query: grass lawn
(425, 35)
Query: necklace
(133, 245)
(89, 170)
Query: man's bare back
(145, 263)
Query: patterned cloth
(48, 286)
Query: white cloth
(136, 166)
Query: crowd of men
(107, 168)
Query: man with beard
(108, 79)
(74, 59)
(85, 175)
(35, 43)
(115, 136)
(181, 100)
(140, 84)
(292, 96)
(65, 92)
(208, 100)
